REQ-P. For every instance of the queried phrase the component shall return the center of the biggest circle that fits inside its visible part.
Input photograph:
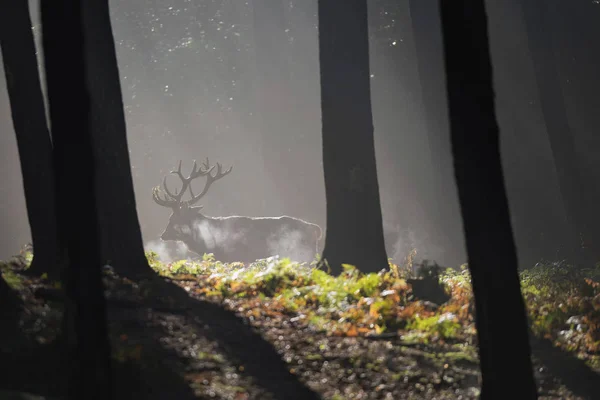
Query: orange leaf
(352, 331)
(374, 311)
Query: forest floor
(279, 330)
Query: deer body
(246, 239)
(234, 238)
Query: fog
(194, 86)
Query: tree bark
(31, 130)
(121, 237)
(85, 327)
(354, 221)
(502, 331)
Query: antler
(174, 200)
(210, 179)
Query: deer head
(184, 215)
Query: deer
(232, 238)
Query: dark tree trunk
(10, 312)
(502, 331)
(354, 222)
(121, 237)
(10, 309)
(580, 202)
(5, 290)
(6, 293)
(33, 138)
(428, 46)
(85, 327)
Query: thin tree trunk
(502, 331)
(85, 328)
(428, 46)
(31, 131)
(354, 222)
(581, 208)
(121, 237)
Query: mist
(192, 88)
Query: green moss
(205, 356)
(313, 357)
(445, 325)
(13, 280)
(459, 356)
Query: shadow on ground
(574, 373)
(40, 369)
(241, 343)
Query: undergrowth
(563, 302)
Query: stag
(233, 238)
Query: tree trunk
(10, 310)
(428, 47)
(354, 222)
(502, 331)
(121, 237)
(580, 206)
(29, 121)
(85, 327)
